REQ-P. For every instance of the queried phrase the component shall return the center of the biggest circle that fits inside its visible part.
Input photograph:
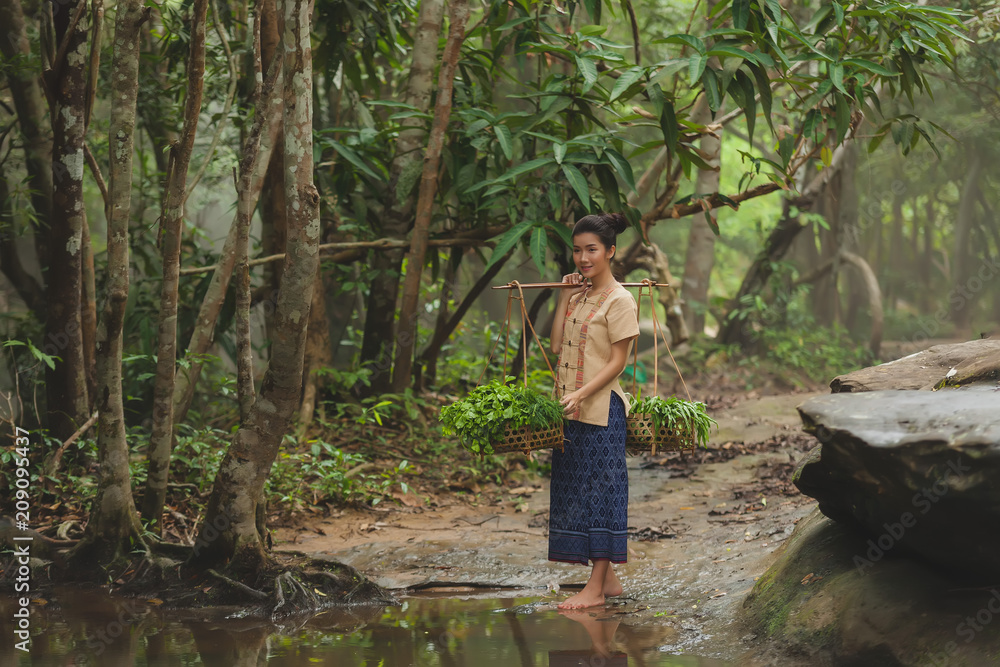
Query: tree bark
(113, 529)
(700, 258)
(272, 195)
(318, 353)
(458, 15)
(231, 512)
(377, 346)
(26, 94)
(88, 316)
(66, 383)
(171, 231)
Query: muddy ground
(703, 525)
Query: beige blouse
(594, 321)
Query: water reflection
(92, 629)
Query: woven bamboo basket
(641, 436)
(525, 440)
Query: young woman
(593, 330)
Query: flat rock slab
(924, 369)
(916, 471)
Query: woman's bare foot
(612, 587)
(583, 599)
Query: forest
(247, 248)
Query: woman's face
(590, 255)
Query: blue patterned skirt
(588, 506)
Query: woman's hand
(573, 279)
(571, 401)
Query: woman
(593, 330)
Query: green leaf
(868, 65)
(508, 241)
(622, 166)
(682, 38)
(525, 167)
(562, 231)
(741, 14)
(764, 88)
(588, 69)
(837, 76)
(711, 83)
(355, 159)
(843, 117)
(623, 83)
(579, 183)
(506, 143)
(538, 242)
(559, 150)
(812, 123)
(609, 186)
(749, 101)
(668, 125)
(696, 66)
(656, 97)
(724, 50)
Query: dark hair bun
(616, 221)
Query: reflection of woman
(592, 332)
(602, 644)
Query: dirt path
(702, 526)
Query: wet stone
(917, 472)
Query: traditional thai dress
(588, 509)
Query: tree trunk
(88, 316)
(700, 257)
(740, 330)
(66, 383)
(377, 346)
(215, 296)
(10, 261)
(962, 294)
(26, 94)
(272, 194)
(655, 261)
(113, 529)
(458, 15)
(318, 354)
(171, 231)
(244, 213)
(231, 513)
(429, 357)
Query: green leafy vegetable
(687, 419)
(479, 419)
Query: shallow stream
(427, 630)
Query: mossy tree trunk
(171, 231)
(229, 533)
(113, 530)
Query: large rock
(951, 364)
(816, 606)
(915, 471)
